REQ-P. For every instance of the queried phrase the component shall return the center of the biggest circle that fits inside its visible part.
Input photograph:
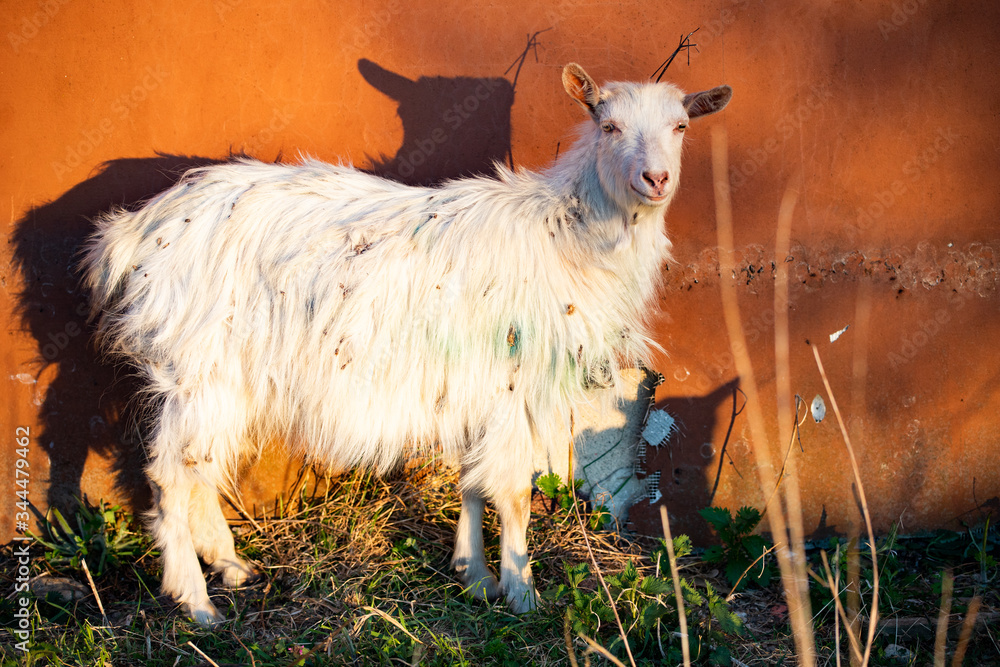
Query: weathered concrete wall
(888, 110)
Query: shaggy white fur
(361, 320)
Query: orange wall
(888, 110)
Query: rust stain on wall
(970, 268)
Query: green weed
(743, 553)
(648, 610)
(105, 535)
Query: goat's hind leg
(470, 558)
(180, 455)
(213, 540)
(182, 576)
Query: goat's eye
(608, 127)
(681, 127)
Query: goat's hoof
(523, 603)
(237, 574)
(486, 589)
(477, 579)
(205, 614)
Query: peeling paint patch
(818, 408)
(659, 427)
(653, 494)
(837, 334)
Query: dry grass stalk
(873, 620)
(253, 661)
(203, 654)
(593, 559)
(796, 588)
(836, 616)
(787, 417)
(93, 588)
(854, 589)
(594, 647)
(372, 611)
(833, 585)
(681, 616)
(600, 578)
(237, 504)
(967, 626)
(941, 636)
(732, 593)
(568, 636)
(859, 373)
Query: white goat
(363, 321)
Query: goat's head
(638, 132)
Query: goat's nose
(657, 179)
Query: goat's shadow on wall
(453, 127)
(88, 407)
(678, 468)
(693, 465)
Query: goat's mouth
(656, 199)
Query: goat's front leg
(515, 566)
(470, 559)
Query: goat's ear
(581, 87)
(707, 101)
(396, 86)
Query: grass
(359, 575)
